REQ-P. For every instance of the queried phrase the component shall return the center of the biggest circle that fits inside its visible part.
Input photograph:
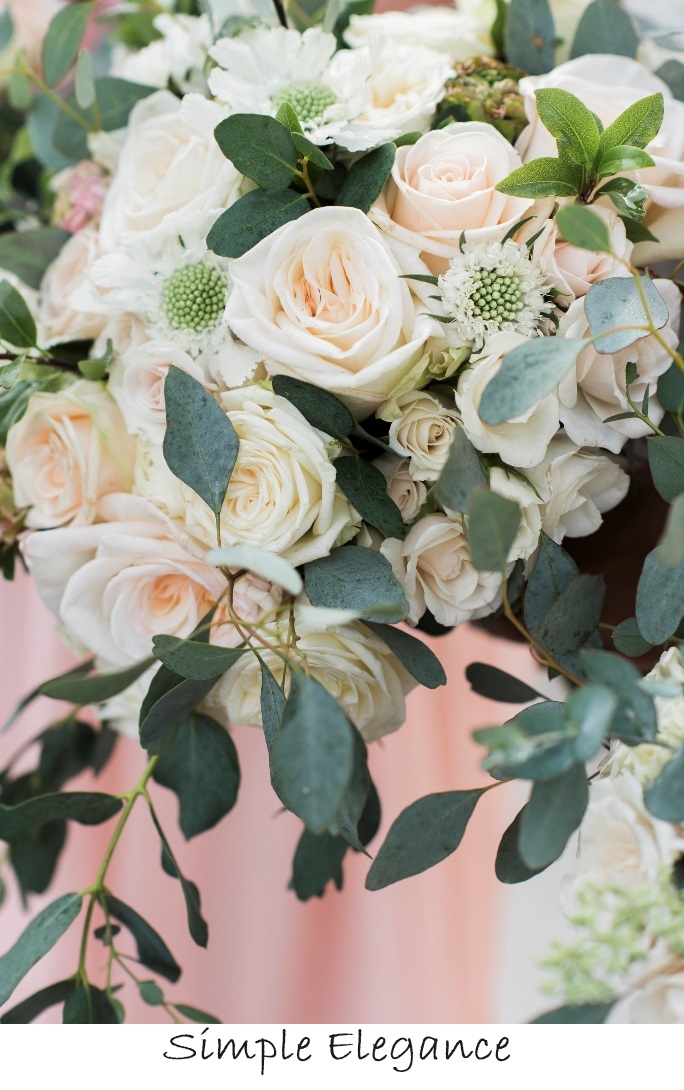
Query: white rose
(434, 567)
(136, 382)
(322, 298)
(596, 388)
(69, 449)
(608, 85)
(443, 185)
(59, 320)
(408, 493)
(423, 433)
(576, 487)
(513, 488)
(170, 162)
(573, 271)
(443, 29)
(659, 1002)
(353, 664)
(521, 441)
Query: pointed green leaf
(637, 125)
(29, 253)
(628, 639)
(197, 925)
(555, 810)
(36, 1004)
(84, 80)
(84, 807)
(62, 41)
(153, 952)
(17, 326)
(95, 689)
(89, 1006)
(509, 867)
(574, 614)
(493, 523)
(414, 655)
(581, 1014)
(202, 769)
(366, 489)
(40, 936)
(317, 861)
(570, 122)
(195, 1015)
(495, 684)
(322, 409)
(666, 461)
(543, 177)
(170, 698)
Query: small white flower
(180, 54)
(491, 288)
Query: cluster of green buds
(486, 90)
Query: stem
(304, 175)
(641, 415)
(26, 70)
(542, 655)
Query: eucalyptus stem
(544, 658)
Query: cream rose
(576, 487)
(573, 271)
(596, 388)
(68, 450)
(521, 441)
(423, 433)
(59, 319)
(353, 664)
(443, 29)
(322, 299)
(170, 162)
(659, 1002)
(408, 493)
(443, 185)
(434, 567)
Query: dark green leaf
(359, 579)
(366, 489)
(322, 409)
(89, 1006)
(666, 460)
(570, 122)
(493, 523)
(200, 444)
(509, 867)
(664, 796)
(604, 28)
(192, 659)
(195, 1015)
(17, 326)
(170, 698)
(42, 123)
(623, 158)
(590, 712)
(30, 1008)
(495, 684)
(530, 36)
(356, 795)
(637, 125)
(583, 228)
(259, 147)
(67, 749)
(287, 116)
(317, 861)
(366, 178)
(153, 952)
(636, 718)
(35, 854)
(115, 100)
(672, 73)
(63, 40)
(671, 389)
(272, 705)
(629, 197)
(424, 834)
(202, 769)
(553, 570)
(369, 822)
(628, 639)
(197, 925)
(92, 690)
(314, 753)
(462, 474)
(40, 936)
(555, 810)
(151, 993)
(527, 374)
(579, 1015)
(85, 807)
(636, 232)
(29, 253)
(544, 177)
(252, 218)
(660, 599)
(309, 151)
(413, 654)
(574, 615)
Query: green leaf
(6, 33)
(322, 409)
(604, 28)
(202, 769)
(628, 639)
(115, 100)
(580, 1014)
(555, 810)
(195, 1015)
(259, 147)
(623, 157)
(553, 570)
(9, 373)
(366, 489)
(574, 614)
(616, 302)
(590, 712)
(666, 461)
(413, 654)
(317, 861)
(287, 116)
(535, 745)
(527, 374)
(544, 177)
(671, 389)
(94, 689)
(151, 993)
(272, 705)
(200, 443)
(359, 579)
(62, 41)
(672, 73)
(493, 523)
(637, 125)
(309, 151)
(629, 198)
(571, 123)
(193, 659)
(462, 475)
(17, 326)
(509, 866)
(659, 599)
(40, 936)
(153, 952)
(35, 1005)
(636, 232)
(495, 684)
(170, 698)
(85, 807)
(313, 753)
(425, 833)
(84, 80)
(583, 228)
(89, 1006)
(366, 178)
(356, 796)
(530, 36)
(197, 925)
(670, 551)
(29, 253)
(259, 561)
(664, 796)
(252, 218)
(636, 718)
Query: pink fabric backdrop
(420, 951)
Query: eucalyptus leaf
(356, 578)
(543, 177)
(617, 302)
(170, 698)
(317, 861)
(84, 80)
(553, 570)
(76, 689)
(509, 866)
(583, 228)
(604, 28)
(152, 951)
(197, 925)
(9, 372)
(29, 253)
(40, 936)
(628, 639)
(321, 408)
(17, 326)
(41, 1001)
(309, 151)
(462, 474)
(366, 177)
(195, 1015)
(672, 73)
(193, 659)
(495, 684)
(425, 833)
(6, 33)
(581, 1014)
(660, 599)
(664, 796)
(259, 147)
(62, 41)
(493, 522)
(574, 615)
(590, 712)
(252, 218)
(115, 98)
(151, 993)
(84, 807)
(89, 1005)
(527, 374)
(555, 809)
(670, 389)
(666, 461)
(203, 771)
(366, 489)
(636, 718)
(530, 36)
(356, 796)
(413, 654)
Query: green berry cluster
(194, 297)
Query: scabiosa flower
(491, 288)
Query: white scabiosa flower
(491, 288)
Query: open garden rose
(59, 319)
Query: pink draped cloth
(420, 951)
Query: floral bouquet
(317, 323)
